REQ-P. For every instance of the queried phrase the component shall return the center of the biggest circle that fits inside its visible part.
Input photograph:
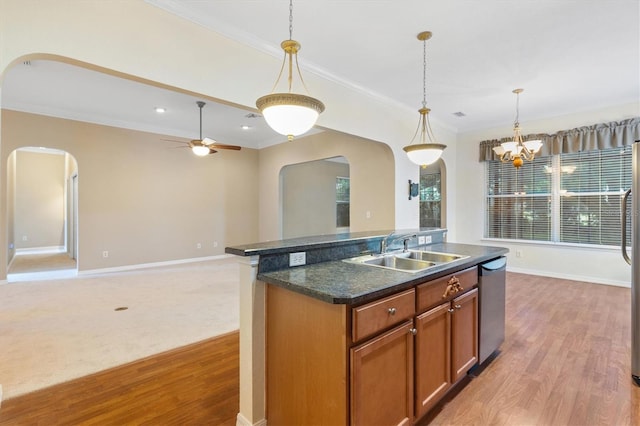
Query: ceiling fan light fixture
(200, 150)
(426, 151)
(290, 114)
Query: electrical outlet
(368, 214)
(297, 259)
(215, 244)
(518, 253)
(198, 245)
(421, 240)
(427, 239)
(24, 238)
(105, 253)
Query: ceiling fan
(202, 147)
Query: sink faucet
(390, 239)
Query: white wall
(585, 264)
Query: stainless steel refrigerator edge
(634, 260)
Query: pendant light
(290, 114)
(425, 151)
(518, 150)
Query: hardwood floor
(565, 361)
(192, 385)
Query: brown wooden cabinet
(433, 357)
(382, 379)
(464, 334)
(371, 364)
(446, 348)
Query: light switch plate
(427, 239)
(421, 240)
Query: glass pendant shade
(290, 114)
(424, 153)
(533, 145)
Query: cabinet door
(464, 334)
(382, 379)
(433, 357)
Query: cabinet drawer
(376, 316)
(434, 292)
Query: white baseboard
(571, 277)
(151, 265)
(242, 421)
(43, 275)
(41, 250)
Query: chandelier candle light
(518, 150)
(426, 151)
(290, 114)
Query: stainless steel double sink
(412, 261)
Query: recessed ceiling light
(160, 110)
(245, 127)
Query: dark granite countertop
(318, 241)
(339, 282)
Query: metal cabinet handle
(413, 331)
(457, 306)
(392, 311)
(450, 311)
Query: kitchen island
(348, 343)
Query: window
(342, 202)
(567, 198)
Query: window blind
(570, 198)
(591, 187)
(518, 200)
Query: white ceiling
(569, 55)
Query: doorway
(43, 206)
(432, 196)
(315, 198)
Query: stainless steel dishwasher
(491, 289)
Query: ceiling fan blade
(208, 141)
(233, 147)
(212, 151)
(173, 140)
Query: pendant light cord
(424, 73)
(517, 122)
(290, 19)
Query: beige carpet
(57, 330)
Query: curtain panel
(615, 134)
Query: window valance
(587, 138)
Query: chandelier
(290, 114)
(518, 150)
(425, 151)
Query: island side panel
(307, 363)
